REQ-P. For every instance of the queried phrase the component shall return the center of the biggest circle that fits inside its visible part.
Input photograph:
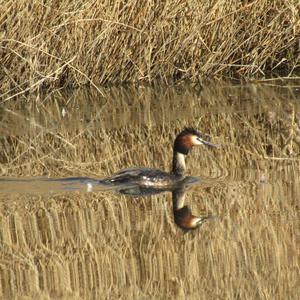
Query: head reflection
(183, 216)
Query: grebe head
(188, 138)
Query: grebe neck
(178, 166)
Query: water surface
(64, 239)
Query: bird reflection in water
(183, 216)
(182, 213)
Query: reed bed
(70, 43)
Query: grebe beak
(207, 143)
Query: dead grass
(71, 43)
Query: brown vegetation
(59, 43)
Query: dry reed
(70, 43)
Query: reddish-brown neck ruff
(183, 143)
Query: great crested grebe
(149, 177)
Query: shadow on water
(64, 235)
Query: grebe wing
(133, 173)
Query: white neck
(178, 167)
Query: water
(66, 237)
